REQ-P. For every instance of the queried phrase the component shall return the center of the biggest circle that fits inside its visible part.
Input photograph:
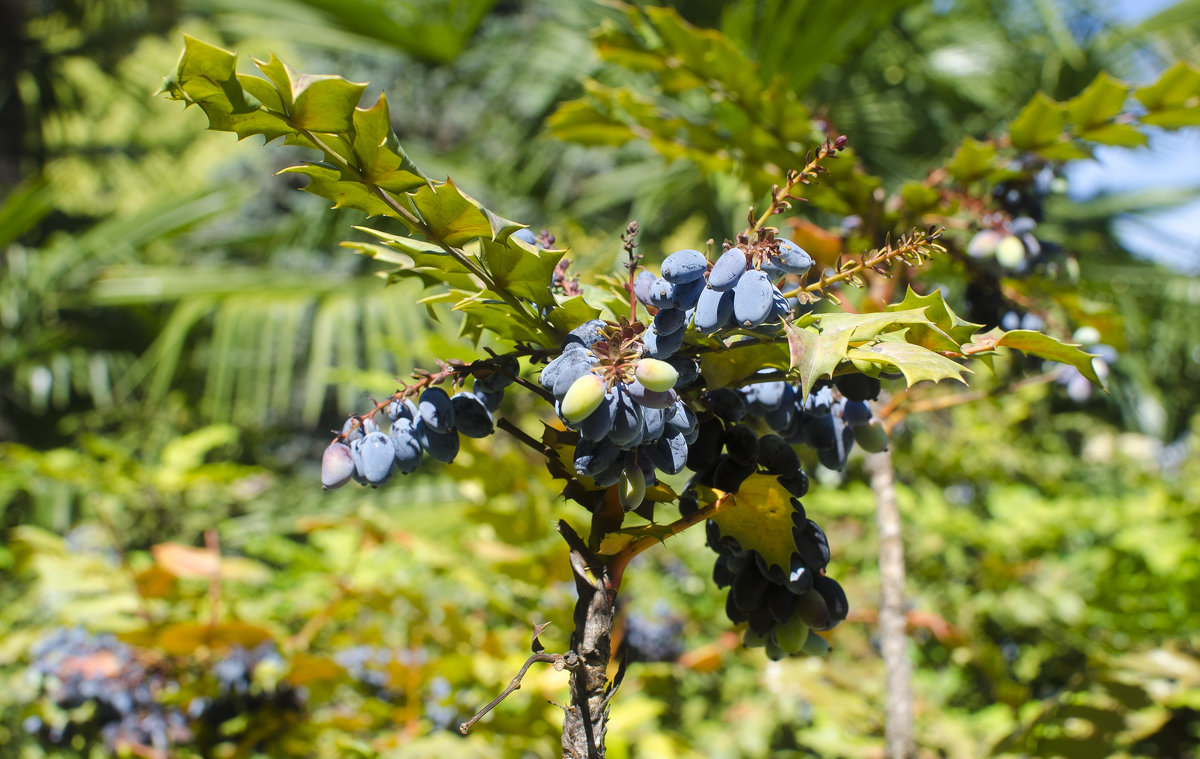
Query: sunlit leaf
(760, 518)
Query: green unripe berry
(815, 645)
(583, 397)
(871, 437)
(631, 488)
(751, 639)
(656, 375)
(791, 635)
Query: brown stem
(898, 728)
(620, 560)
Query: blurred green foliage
(179, 330)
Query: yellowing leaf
(186, 561)
(760, 518)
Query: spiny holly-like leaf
(915, 362)
(866, 326)
(1173, 101)
(1099, 102)
(1178, 87)
(615, 541)
(207, 76)
(520, 268)
(759, 516)
(384, 163)
(346, 191)
(814, 355)
(1044, 346)
(941, 316)
(740, 361)
(1039, 124)
(498, 317)
(450, 216)
(456, 217)
(324, 103)
(433, 267)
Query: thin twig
(558, 660)
(524, 437)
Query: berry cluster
(639, 410)
(97, 688)
(244, 686)
(430, 426)
(737, 290)
(630, 419)
(653, 637)
(782, 607)
(1009, 247)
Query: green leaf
(813, 354)
(1173, 118)
(583, 122)
(760, 518)
(345, 191)
(383, 161)
(442, 271)
(1049, 348)
(1121, 135)
(866, 326)
(1099, 102)
(740, 361)
(323, 103)
(918, 197)
(1064, 150)
(451, 215)
(1039, 124)
(1178, 87)
(915, 362)
(973, 160)
(206, 76)
(520, 269)
(939, 313)
(498, 317)
(570, 313)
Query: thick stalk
(585, 721)
(893, 633)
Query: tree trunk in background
(893, 633)
(12, 109)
